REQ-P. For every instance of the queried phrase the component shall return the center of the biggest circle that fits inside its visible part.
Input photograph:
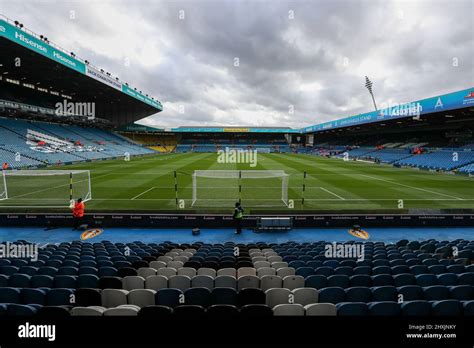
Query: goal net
(54, 188)
(254, 188)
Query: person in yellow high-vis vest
(238, 215)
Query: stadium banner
(235, 130)
(108, 80)
(24, 39)
(21, 37)
(456, 100)
(141, 97)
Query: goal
(253, 188)
(45, 188)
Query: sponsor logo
(469, 98)
(37, 331)
(2, 29)
(359, 233)
(91, 233)
(29, 42)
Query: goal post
(45, 188)
(253, 188)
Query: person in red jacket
(78, 213)
(5, 166)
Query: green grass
(147, 184)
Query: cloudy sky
(265, 62)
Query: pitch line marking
(412, 187)
(141, 194)
(332, 193)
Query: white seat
(248, 281)
(190, 250)
(142, 297)
(121, 311)
(279, 264)
(133, 282)
(180, 282)
(202, 281)
(289, 310)
(293, 282)
(246, 271)
(174, 264)
(258, 258)
(225, 281)
(285, 271)
(274, 258)
(322, 309)
(207, 271)
(165, 258)
(227, 271)
(275, 296)
(263, 271)
(305, 296)
(172, 254)
(146, 271)
(187, 271)
(92, 311)
(176, 250)
(260, 264)
(113, 297)
(181, 258)
(167, 272)
(270, 281)
(157, 264)
(156, 282)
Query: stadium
(361, 216)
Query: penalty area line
(141, 194)
(332, 193)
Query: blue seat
(70, 271)
(331, 263)
(324, 270)
(47, 270)
(65, 281)
(411, 292)
(447, 308)
(332, 295)
(401, 269)
(42, 281)
(18, 280)
(436, 293)
(381, 270)
(168, 297)
(3, 281)
(448, 279)
(21, 310)
(9, 270)
(29, 270)
(198, 296)
(296, 264)
(108, 272)
(416, 308)
(366, 270)
(59, 297)
(344, 270)
(33, 296)
(315, 281)
(462, 292)
(314, 263)
(382, 280)
(9, 295)
(437, 269)
(224, 296)
(466, 278)
(340, 280)
(352, 309)
(88, 270)
(358, 294)
(361, 280)
(426, 279)
(385, 308)
(304, 271)
(458, 269)
(419, 269)
(384, 293)
(468, 308)
(87, 281)
(403, 279)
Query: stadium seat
(113, 297)
(141, 297)
(250, 296)
(332, 295)
(289, 310)
(256, 311)
(385, 308)
(169, 297)
(447, 308)
(224, 296)
(352, 309)
(321, 309)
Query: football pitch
(148, 184)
